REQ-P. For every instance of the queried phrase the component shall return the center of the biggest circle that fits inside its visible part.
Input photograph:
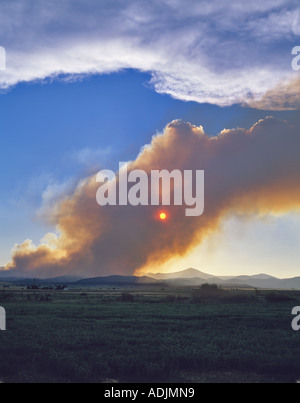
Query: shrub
(241, 297)
(278, 297)
(206, 291)
(126, 297)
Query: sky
(88, 84)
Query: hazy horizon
(169, 273)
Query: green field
(149, 335)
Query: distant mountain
(116, 279)
(262, 276)
(187, 277)
(195, 277)
(63, 279)
(187, 273)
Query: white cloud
(89, 157)
(206, 51)
(296, 23)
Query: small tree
(206, 291)
(127, 297)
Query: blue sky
(81, 94)
(57, 132)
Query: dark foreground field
(144, 335)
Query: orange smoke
(254, 171)
(285, 96)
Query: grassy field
(149, 335)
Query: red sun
(163, 216)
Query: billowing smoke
(285, 96)
(254, 171)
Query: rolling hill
(187, 277)
(196, 277)
(187, 273)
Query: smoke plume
(254, 171)
(284, 96)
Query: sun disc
(163, 216)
